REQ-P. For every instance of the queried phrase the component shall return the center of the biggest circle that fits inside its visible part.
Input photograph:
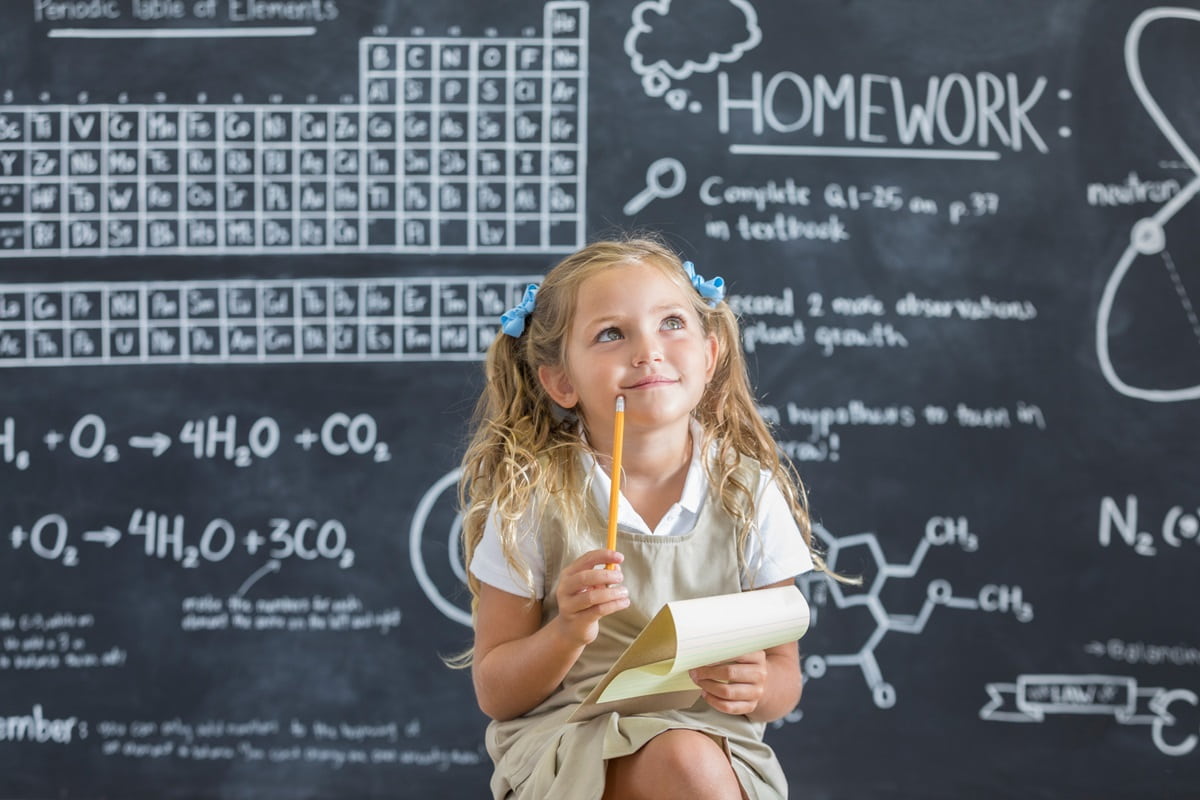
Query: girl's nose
(646, 354)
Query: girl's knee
(676, 763)
(687, 749)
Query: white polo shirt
(777, 553)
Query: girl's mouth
(652, 381)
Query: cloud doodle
(709, 45)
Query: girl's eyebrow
(598, 322)
(607, 319)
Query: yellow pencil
(614, 497)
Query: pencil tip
(620, 402)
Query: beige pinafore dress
(539, 756)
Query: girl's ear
(712, 350)
(556, 383)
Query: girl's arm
(763, 685)
(518, 661)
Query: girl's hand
(585, 594)
(734, 687)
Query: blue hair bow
(512, 321)
(713, 291)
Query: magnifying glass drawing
(657, 186)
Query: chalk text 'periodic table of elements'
(455, 144)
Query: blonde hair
(524, 450)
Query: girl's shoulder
(744, 465)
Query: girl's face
(635, 333)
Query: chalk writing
(268, 321)
(1125, 652)
(315, 613)
(37, 727)
(455, 145)
(789, 211)
(37, 640)
(1132, 191)
(331, 743)
(823, 424)
(166, 536)
(823, 328)
(229, 438)
(1179, 526)
(1034, 697)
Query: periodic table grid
(456, 145)
(252, 321)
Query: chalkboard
(251, 253)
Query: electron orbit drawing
(442, 576)
(1148, 250)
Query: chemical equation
(939, 532)
(453, 145)
(226, 438)
(1179, 527)
(1032, 698)
(252, 322)
(169, 537)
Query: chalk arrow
(108, 535)
(159, 442)
(271, 566)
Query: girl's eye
(608, 335)
(672, 323)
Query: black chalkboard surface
(251, 254)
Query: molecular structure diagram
(820, 589)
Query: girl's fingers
(603, 609)
(596, 600)
(733, 686)
(730, 698)
(586, 592)
(593, 559)
(731, 692)
(585, 572)
(735, 673)
(592, 578)
(580, 611)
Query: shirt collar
(695, 485)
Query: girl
(707, 508)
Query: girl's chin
(655, 415)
